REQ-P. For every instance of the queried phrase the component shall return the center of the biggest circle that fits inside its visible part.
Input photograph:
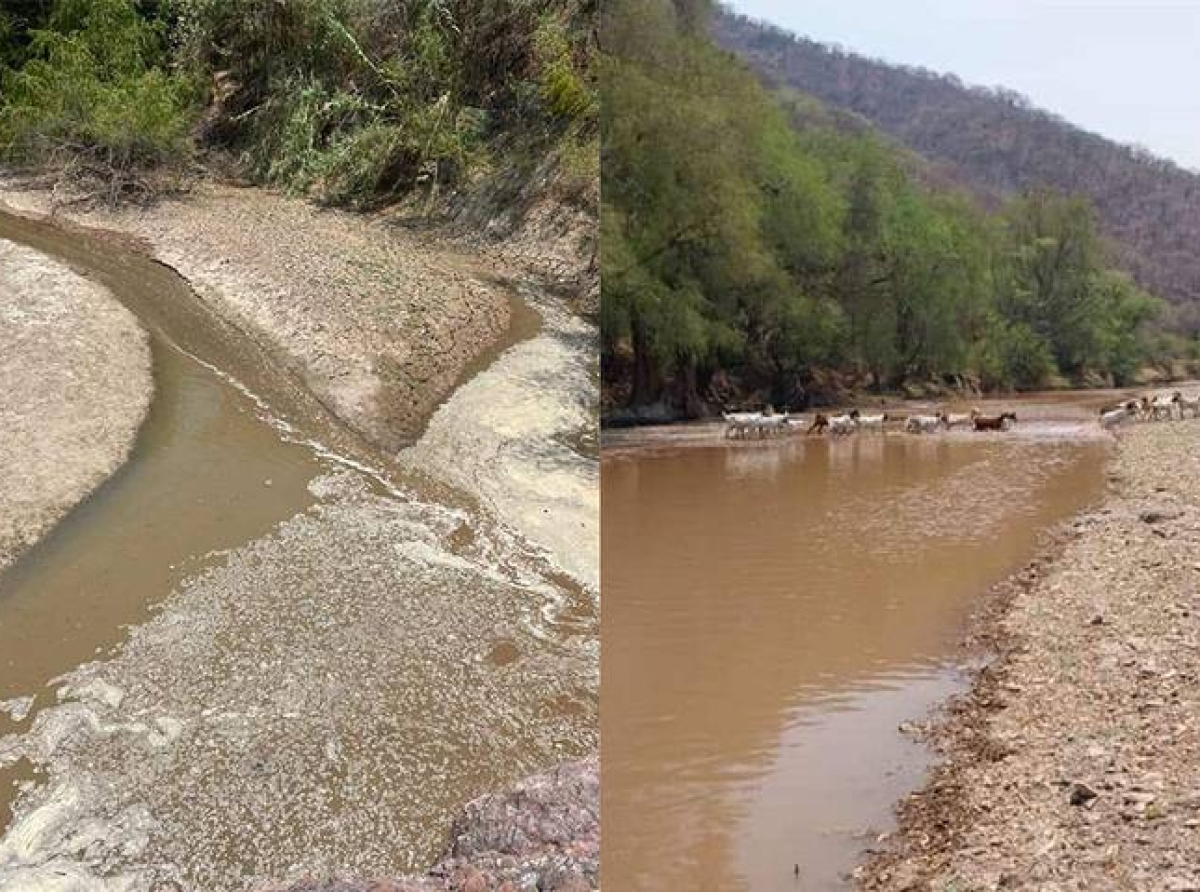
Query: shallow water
(774, 611)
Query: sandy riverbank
(377, 322)
(1074, 762)
(75, 384)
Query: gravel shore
(379, 324)
(75, 384)
(1074, 761)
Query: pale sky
(1127, 70)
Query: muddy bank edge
(1074, 760)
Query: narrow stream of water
(774, 611)
(208, 472)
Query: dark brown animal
(820, 424)
(995, 422)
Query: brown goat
(995, 422)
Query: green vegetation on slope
(997, 143)
(751, 246)
(352, 101)
(90, 90)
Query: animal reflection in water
(765, 424)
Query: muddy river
(775, 611)
(262, 651)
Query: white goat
(1112, 417)
(924, 424)
(840, 425)
(739, 424)
(961, 419)
(771, 425)
(1189, 405)
(873, 422)
(1163, 407)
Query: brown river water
(403, 653)
(774, 611)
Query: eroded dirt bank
(1074, 762)
(379, 324)
(75, 384)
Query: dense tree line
(998, 143)
(354, 101)
(752, 245)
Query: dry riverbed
(1074, 761)
(378, 323)
(319, 701)
(74, 387)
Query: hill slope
(996, 142)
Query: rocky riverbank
(75, 384)
(1074, 761)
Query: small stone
(1082, 794)
(1156, 515)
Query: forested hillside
(995, 140)
(354, 102)
(757, 249)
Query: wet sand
(75, 385)
(776, 610)
(1074, 761)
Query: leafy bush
(94, 93)
(563, 88)
(357, 101)
(353, 101)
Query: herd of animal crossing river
(262, 622)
